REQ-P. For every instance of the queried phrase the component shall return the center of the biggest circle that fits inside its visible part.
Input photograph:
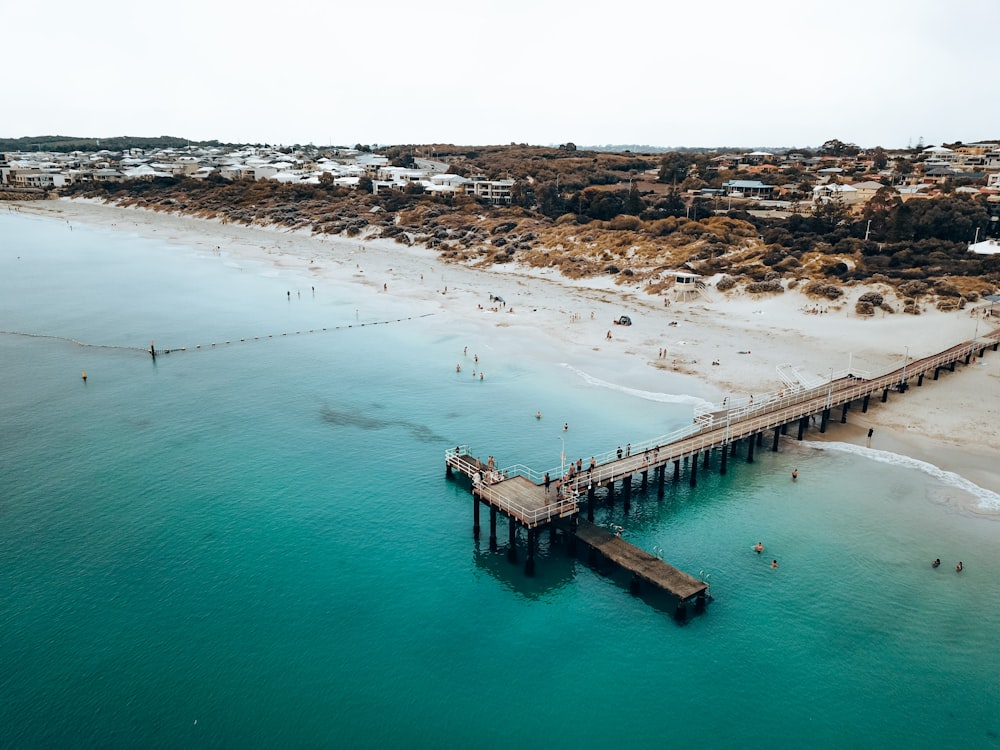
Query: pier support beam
(699, 603)
(784, 428)
(635, 584)
(660, 477)
(677, 470)
(864, 403)
(512, 543)
(493, 529)
(732, 447)
(843, 414)
(824, 420)
(475, 517)
(627, 491)
(694, 470)
(920, 380)
(447, 469)
(968, 357)
(777, 437)
(937, 371)
(611, 492)
(750, 443)
(529, 563)
(760, 439)
(885, 395)
(645, 479)
(725, 454)
(681, 613)
(953, 366)
(591, 496)
(803, 423)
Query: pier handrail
(711, 426)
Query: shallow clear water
(255, 544)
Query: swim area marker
(169, 350)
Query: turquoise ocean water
(255, 545)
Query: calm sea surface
(255, 545)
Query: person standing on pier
(548, 481)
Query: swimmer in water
(538, 415)
(795, 474)
(758, 548)
(958, 568)
(774, 563)
(936, 563)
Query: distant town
(835, 172)
(922, 223)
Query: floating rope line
(214, 344)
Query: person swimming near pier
(936, 563)
(958, 568)
(774, 563)
(758, 548)
(795, 474)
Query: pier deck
(646, 566)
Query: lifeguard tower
(688, 286)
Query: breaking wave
(663, 398)
(988, 500)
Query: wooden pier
(519, 492)
(644, 567)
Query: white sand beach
(951, 423)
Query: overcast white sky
(665, 73)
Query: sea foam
(663, 398)
(988, 500)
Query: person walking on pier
(547, 482)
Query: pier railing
(712, 426)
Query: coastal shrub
(504, 227)
(946, 289)
(612, 269)
(765, 287)
(793, 283)
(947, 305)
(726, 283)
(864, 308)
(819, 289)
(873, 298)
(787, 263)
(625, 222)
(913, 288)
(911, 309)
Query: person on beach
(871, 432)
(759, 547)
(958, 568)
(608, 337)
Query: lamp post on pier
(906, 359)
